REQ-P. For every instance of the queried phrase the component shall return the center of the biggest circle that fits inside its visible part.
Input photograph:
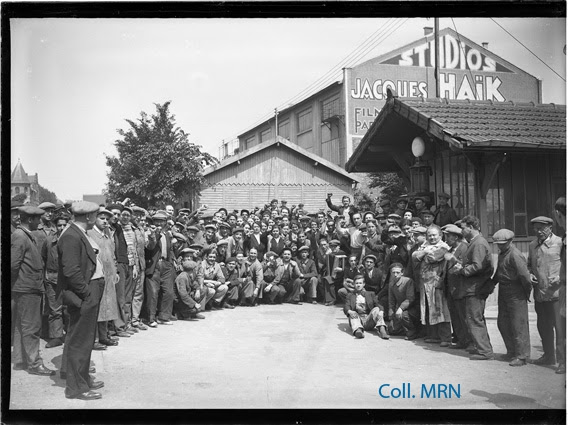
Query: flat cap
(196, 246)
(231, 260)
(394, 216)
(304, 217)
(31, 210)
(371, 256)
(402, 199)
(14, 205)
(452, 228)
(225, 225)
(362, 226)
(303, 248)
(384, 203)
(426, 212)
(503, 236)
(393, 229)
(334, 242)
(140, 210)
(84, 207)
(542, 219)
(443, 195)
(115, 207)
(222, 242)
(128, 209)
(163, 212)
(270, 254)
(274, 200)
(211, 226)
(419, 229)
(46, 205)
(192, 229)
(184, 210)
(187, 251)
(103, 210)
(238, 229)
(160, 216)
(180, 225)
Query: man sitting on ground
(364, 311)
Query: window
(305, 121)
(284, 129)
(265, 135)
(249, 143)
(17, 190)
(330, 107)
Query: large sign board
(467, 72)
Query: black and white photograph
(285, 212)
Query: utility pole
(437, 56)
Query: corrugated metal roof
(487, 123)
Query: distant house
(277, 169)
(97, 199)
(22, 182)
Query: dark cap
(14, 205)
(395, 216)
(443, 195)
(502, 236)
(192, 229)
(31, 210)
(452, 228)
(115, 207)
(371, 256)
(426, 212)
(231, 260)
(84, 207)
(334, 242)
(384, 203)
(303, 248)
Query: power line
(361, 51)
(528, 49)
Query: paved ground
(290, 356)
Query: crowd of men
(106, 272)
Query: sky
(76, 81)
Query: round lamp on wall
(418, 147)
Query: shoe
(164, 322)
(314, 302)
(99, 347)
(328, 304)
(480, 357)
(55, 342)
(113, 338)
(359, 334)
(173, 318)
(472, 350)
(518, 362)
(19, 366)
(383, 333)
(131, 329)
(296, 302)
(214, 306)
(197, 316)
(508, 357)
(411, 337)
(561, 370)
(544, 361)
(123, 334)
(95, 385)
(229, 306)
(445, 344)
(153, 324)
(141, 326)
(457, 347)
(108, 342)
(41, 370)
(89, 395)
(433, 340)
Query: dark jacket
(77, 264)
(26, 265)
(477, 265)
(154, 253)
(371, 302)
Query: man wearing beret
(81, 278)
(514, 291)
(444, 214)
(544, 265)
(26, 267)
(476, 269)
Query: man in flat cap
(53, 303)
(308, 276)
(286, 285)
(26, 273)
(139, 225)
(427, 217)
(456, 294)
(15, 215)
(444, 214)
(514, 291)
(81, 277)
(401, 205)
(419, 205)
(544, 264)
(45, 227)
(383, 207)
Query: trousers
(54, 308)
(160, 295)
(513, 320)
(549, 325)
(458, 317)
(138, 298)
(475, 319)
(27, 329)
(367, 321)
(80, 339)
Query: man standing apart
(560, 215)
(476, 270)
(27, 290)
(544, 265)
(514, 291)
(81, 278)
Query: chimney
(485, 44)
(428, 30)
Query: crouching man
(364, 311)
(403, 310)
(189, 295)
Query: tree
(156, 163)
(20, 197)
(46, 195)
(390, 185)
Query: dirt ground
(289, 356)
